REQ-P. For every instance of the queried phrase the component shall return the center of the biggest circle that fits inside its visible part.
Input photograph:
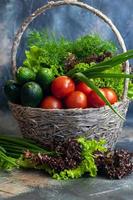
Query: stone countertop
(20, 185)
(35, 185)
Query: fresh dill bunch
(53, 50)
(90, 45)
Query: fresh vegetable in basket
(72, 158)
(95, 101)
(51, 102)
(44, 77)
(24, 75)
(76, 99)
(62, 86)
(31, 94)
(13, 91)
(46, 50)
(57, 67)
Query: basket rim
(76, 110)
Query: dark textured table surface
(36, 186)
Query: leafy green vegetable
(88, 164)
(130, 90)
(8, 162)
(118, 59)
(105, 65)
(45, 50)
(91, 44)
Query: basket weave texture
(49, 127)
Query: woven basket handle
(53, 4)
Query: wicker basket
(51, 126)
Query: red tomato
(76, 99)
(51, 102)
(81, 86)
(94, 100)
(62, 86)
(110, 95)
(89, 103)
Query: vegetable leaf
(105, 65)
(7, 163)
(2, 149)
(88, 164)
(130, 91)
(107, 75)
(116, 60)
(46, 49)
(20, 145)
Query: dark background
(71, 22)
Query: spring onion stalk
(19, 145)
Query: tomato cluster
(67, 94)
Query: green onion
(107, 75)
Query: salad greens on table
(13, 154)
(71, 159)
